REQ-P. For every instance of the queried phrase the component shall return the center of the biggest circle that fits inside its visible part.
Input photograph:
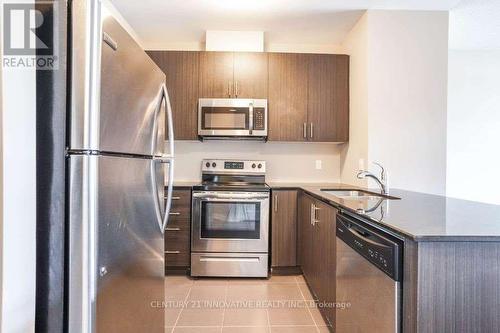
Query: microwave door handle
(250, 118)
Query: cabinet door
(284, 228)
(324, 255)
(250, 74)
(305, 235)
(328, 98)
(181, 69)
(287, 99)
(216, 75)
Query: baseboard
(286, 270)
(177, 270)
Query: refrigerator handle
(162, 220)
(164, 159)
(170, 185)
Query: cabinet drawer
(177, 259)
(177, 240)
(181, 198)
(179, 213)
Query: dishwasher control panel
(381, 249)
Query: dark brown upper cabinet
(308, 97)
(308, 94)
(181, 69)
(328, 98)
(287, 101)
(250, 75)
(233, 75)
(216, 74)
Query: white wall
(403, 99)
(284, 161)
(17, 229)
(356, 45)
(268, 47)
(407, 97)
(474, 125)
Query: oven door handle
(230, 197)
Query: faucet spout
(362, 174)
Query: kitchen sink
(356, 194)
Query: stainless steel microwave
(227, 118)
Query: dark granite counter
(419, 216)
(185, 184)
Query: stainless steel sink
(355, 194)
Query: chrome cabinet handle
(172, 252)
(176, 198)
(250, 117)
(316, 220)
(174, 213)
(173, 229)
(312, 130)
(236, 88)
(276, 203)
(305, 130)
(311, 214)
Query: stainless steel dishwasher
(368, 278)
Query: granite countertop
(419, 216)
(186, 183)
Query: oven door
(230, 222)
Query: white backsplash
(287, 162)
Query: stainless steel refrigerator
(120, 153)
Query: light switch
(319, 165)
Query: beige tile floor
(275, 305)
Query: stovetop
(233, 175)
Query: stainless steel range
(230, 222)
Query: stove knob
(253, 166)
(259, 166)
(214, 164)
(207, 165)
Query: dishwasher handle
(362, 234)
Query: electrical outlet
(319, 165)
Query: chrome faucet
(381, 181)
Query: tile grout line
(183, 306)
(224, 309)
(308, 310)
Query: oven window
(221, 118)
(230, 220)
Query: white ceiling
(159, 23)
(475, 25)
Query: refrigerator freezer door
(116, 246)
(117, 91)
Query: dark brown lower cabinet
(177, 234)
(284, 228)
(317, 251)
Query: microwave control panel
(259, 119)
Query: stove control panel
(233, 166)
